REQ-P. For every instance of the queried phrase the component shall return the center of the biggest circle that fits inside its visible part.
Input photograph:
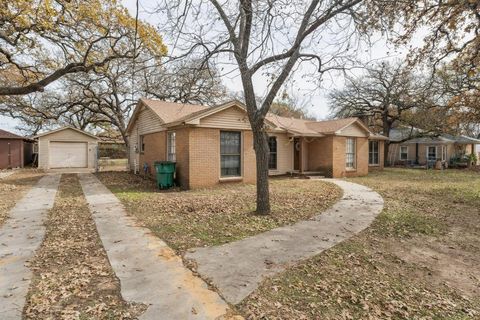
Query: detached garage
(67, 148)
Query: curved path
(237, 268)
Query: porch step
(309, 174)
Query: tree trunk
(260, 144)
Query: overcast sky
(314, 99)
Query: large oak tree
(269, 40)
(42, 41)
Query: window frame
(171, 146)
(141, 143)
(400, 153)
(240, 160)
(372, 153)
(272, 152)
(354, 154)
(428, 153)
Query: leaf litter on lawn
(221, 214)
(73, 278)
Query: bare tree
(386, 96)
(105, 98)
(267, 39)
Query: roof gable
(8, 135)
(66, 128)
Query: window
(350, 154)
(444, 153)
(230, 158)
(171, 146)
(142, 144)
(432, 153)
(403, 152)
(272, 159)
(373, 153)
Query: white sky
(316, 101)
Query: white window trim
(169, 146)
(141, 143)
(436, 153)
(378, 152)
(354, 154)
(276, 154)
(230, 178)
(444, 153)
(400, 153)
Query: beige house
(214, 144)
(423, 150)
(67, 148)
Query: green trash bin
(165, 173)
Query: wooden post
(300, 156)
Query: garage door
(68, 155)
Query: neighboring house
(67, 148)
(421, 150)
(214, 144)
(15, 151)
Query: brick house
(214, 144)
(410, 147)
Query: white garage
(67, 148)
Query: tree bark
(260, 144)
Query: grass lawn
(420, 259)
(72, 277)
(13, 188)
(217, 215)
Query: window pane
(230, 159)
(230, 165)
(229, 142)
(171, 156)
(272, 159)
(373, 152)
(350, 153)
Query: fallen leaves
(13, 187)
(366, 278)
(72, 275)
(220, 214)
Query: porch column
(300, 155)
(416, 153)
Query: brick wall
(155, 150)
(204, 166)
(320, 155)
(204, 161)
(339, 149)
(182, 145)
(249, 158)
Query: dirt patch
(220, 214)
(443, 264)
(420, 259)
(13, 187)
(72, 275)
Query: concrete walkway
(149, 271)
(20, 236)
(237, 268)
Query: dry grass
(13, 188)
(73, 278)
(220, 214)
(419, 260)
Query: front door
(296, 154)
